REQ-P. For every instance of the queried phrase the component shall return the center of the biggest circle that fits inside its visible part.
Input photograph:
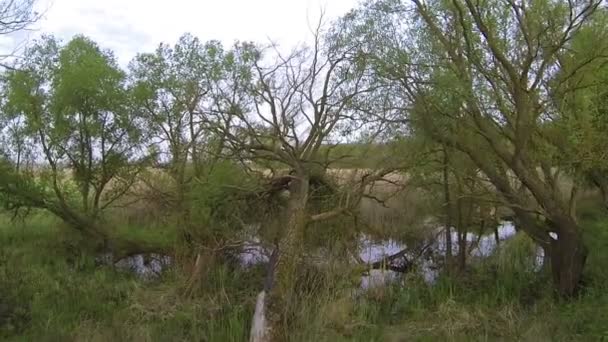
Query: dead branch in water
(386, 262)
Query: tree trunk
(448, 248)
(259, 326)
(568, 257)
(283, 268)
(572, 202)
(546, 267)
(462, 249)
(461, 227)
(448, 211)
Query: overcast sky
(131, 26)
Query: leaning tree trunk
(568, 255)
(276, 299)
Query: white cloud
(131, 26)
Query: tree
(71, 105)
(16, 16)
(171, 89)
(463, 196)
(581, 116)
(479, 78)
(295, 106)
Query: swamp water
(428, 263)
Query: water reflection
(144, 266)
(426, 260)
(428, 263)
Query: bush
(218, 204)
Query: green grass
(52, 291)
(501, 300)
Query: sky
(131, 26)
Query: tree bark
(462, 236)
(260, 329)
(259, 326)
(462, 250)
(568, 256)
(573, 198)
(448, 211)
(289, 249)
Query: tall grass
(51, 290)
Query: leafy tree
(479, 77)
(178, 92)
(71, 104)
(465, 200)
(580, 100)
(171, 90)
(294, 106)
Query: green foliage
(49, 292)
(70, 102)
(583, 100)
(17, 190)
(168, 84)
(504, 90)
(362, 156)
(517, 255)
(220, 202)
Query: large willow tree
(67, 107)
(482, 77)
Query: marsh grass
(50, 290)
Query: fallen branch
(386, 262)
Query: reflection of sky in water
(253, 253)
(487, 243)
(150, 266)
(373, 250)
(145, 267)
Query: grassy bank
(52, 291)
